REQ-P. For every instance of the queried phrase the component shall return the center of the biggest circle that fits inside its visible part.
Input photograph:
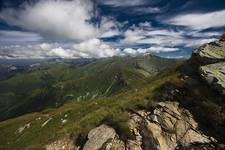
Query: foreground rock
(166, 128)
(103, 137)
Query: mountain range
(117, 103)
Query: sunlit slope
(53, 84)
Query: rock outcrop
(103, 137)
(166, 128)
(211, 53)
(211, 58)
(214, 74)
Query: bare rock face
(103, 137)
(211, 53)
(214, 74)
(168, 127)
(211, 58)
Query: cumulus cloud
(54, 19)
(93, 48)
(62, 20)
(60, 52)
(71, 22)
(142, 51)
(200, 21)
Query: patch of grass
(119, 121)
(81, 116)
(55, 84)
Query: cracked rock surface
(166, 128)
(211, 58)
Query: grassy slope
(82, 116)
(206, 105)
(35, 91)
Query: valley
(67, 102)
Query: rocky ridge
(211, 53)
(167, 127)
(211, 58)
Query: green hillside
(35, 130)
(52, 84)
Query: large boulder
(103, 137)
(214, 74)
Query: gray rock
(211, 53)
(166, 128)
(103, 137)
(214, 74)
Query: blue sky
(106, 28)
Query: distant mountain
(118, 103)
(54, 82)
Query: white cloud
(60, 52)
(145, 24)
(198, 42)
(162, 41)
(109, 27)
(45, 46)
(18, 36)
(95, 48)
(132, 36)
(61, 20)
(123, 3)
(200, 21)
(55, 19)
(145, 34)
(197, 34)
(110, 33)
(162, 49)
(164, 32)
(142, 51)
(145, 10)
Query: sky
(106, 28)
